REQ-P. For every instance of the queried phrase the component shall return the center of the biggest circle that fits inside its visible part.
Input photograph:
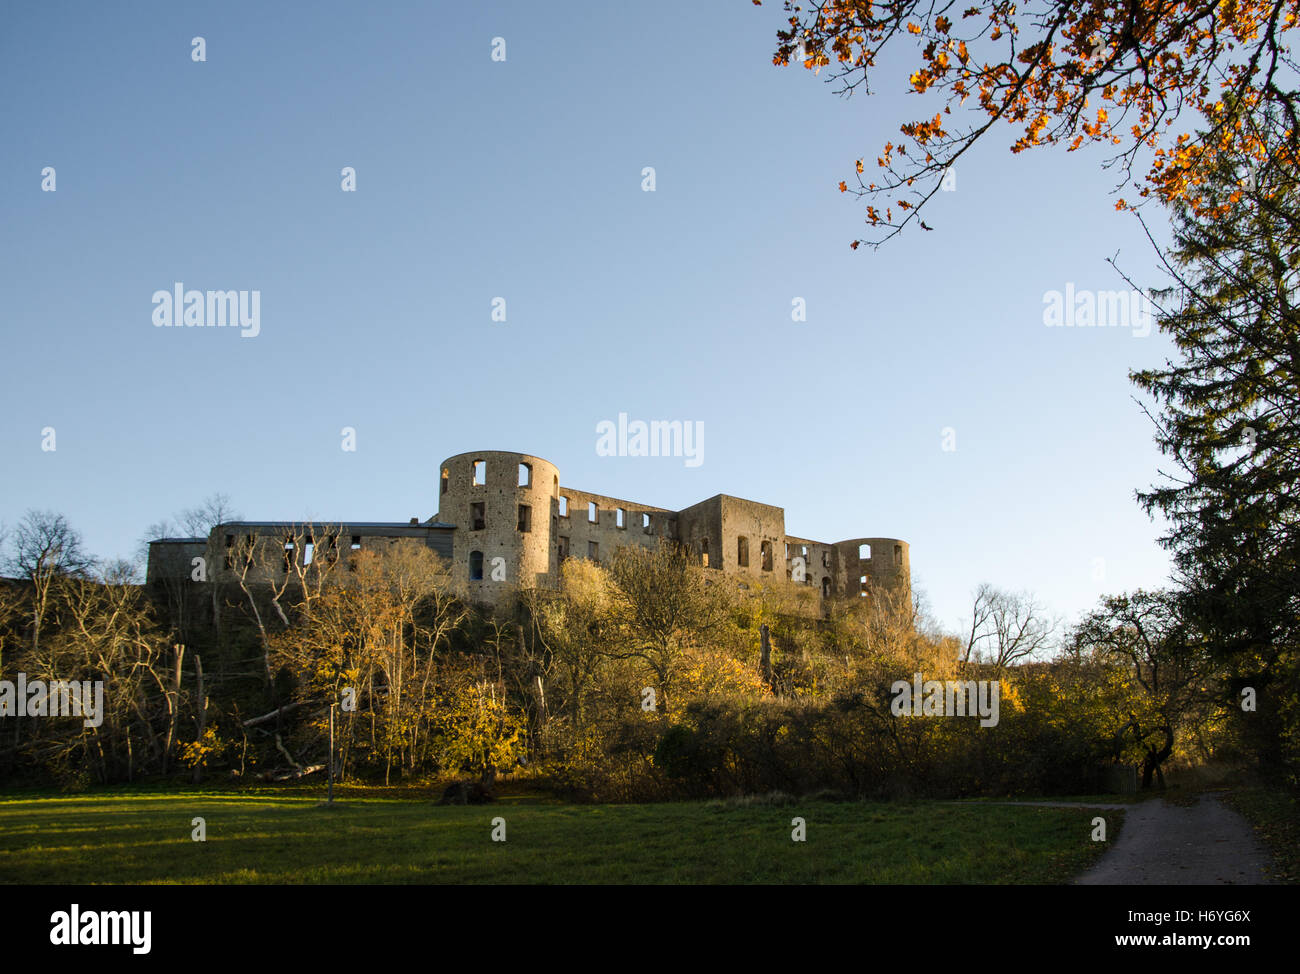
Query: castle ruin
(505, 522)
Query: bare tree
(45, 549)
(1007, 627)
(199, 521)
(664, 605)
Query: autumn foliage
(1135, 75)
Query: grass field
(146, 838)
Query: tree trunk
(203, 718)
(765, 654)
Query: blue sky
(522, 179)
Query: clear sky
(522, 179)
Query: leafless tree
(45, 549)
(1007, 627)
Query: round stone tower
(503, 506)
(865, 563)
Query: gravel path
(1206, 844)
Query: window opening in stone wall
(742, 552)
(525, 518)
(476, 566)
(564, 507)
(592, 512)
(480, 473)
(593, 551)
(525, 475)
(704, 552)
(826, 587)
(864, 552)
(765, 555)
(862, 585)
(898, 554)
(563, 548)
(478, 516)
(620, 518)
(446, 480)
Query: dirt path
(1159, 844)
(1205, 844)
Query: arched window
(765, 555)
(476, 566)
(864, 552)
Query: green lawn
(274, 838)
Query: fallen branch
(291, 775)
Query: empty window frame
(593, 551)
(525, 518)
(620, 518)
(593, 512)
(446, 480)
(356, 542)
(862, 585)
(308, 552)
(704, 552)
(478, 516)
(898, 554)
(765, 555)
(476, 566)
(564, 506)
(864, 552)
(826, 587)
(525, 475)
(645, 524)
(230, 544)
(563, 548)
(480, 473)
(742, 552)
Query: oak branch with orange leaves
(1078, 72)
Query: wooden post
(765, 642)
(330, 754)
(173, 707)
(203, 715)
